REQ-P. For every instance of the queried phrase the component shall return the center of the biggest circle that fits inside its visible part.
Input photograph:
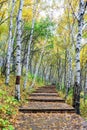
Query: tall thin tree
(77, 87)
(38, 63)
(18, 51)
(10, 41)
(85, 83)
(29, 43)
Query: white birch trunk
(13, 59)
(32, 69)
(69, 72)
(29, 44)
(70, 69)
(18, 51)
(65, 68)
(79, 38)
(37, 68)
(14, 36)
(60, 71)
(47, 74)
(9, 51)
(85, 85)
(38, 65)
(73, 74)
(76, 100)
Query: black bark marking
(77, 61)
(78, 71)
(79, 36)
(17, 80)
(77, 50)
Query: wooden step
(40, 91)
(45, 110)
(46, 100)
(48, 86)
(44, 94)
(47, 107)
(45, 90)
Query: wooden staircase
(44, 100)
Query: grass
(8, 104)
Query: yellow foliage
(28, 10)
(3, 29)
(27, 14)
(28, 2)
(83, 55)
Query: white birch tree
(10, 43)
(77, 88)
(18, 51)
(69, 72)
(85, 83)
(29, 43)
(38, 64)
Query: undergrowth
(83, 104)
(8, 104)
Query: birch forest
(42, 43)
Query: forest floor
(45, 110)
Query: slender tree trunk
(50, 73)
(47, 74)
(13, 57)
(69, 73)
(85, 82)
(37, 68)
(65, 69)
(18, 51)
(77, 87)
(57, 67)
(42, 75)
(38, 64)
(9, 51)
(32, 68)
(3, 68)
(60, 72)
(29, 45)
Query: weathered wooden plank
(35, 110)
(44, 94)
(46, 100)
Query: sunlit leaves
(83, 56)
(27, 14)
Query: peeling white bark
(77, 88)
(29, 44)
(10, 45)
(82, 7)
(18, 51)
